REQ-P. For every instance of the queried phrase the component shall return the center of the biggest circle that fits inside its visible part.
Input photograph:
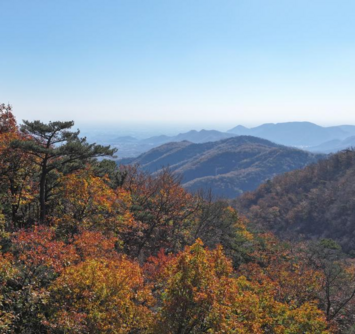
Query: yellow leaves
(7, 272)
(111, 295)
(259, 312)
(96, 290)
(199, 292)
(241, 229)
(195, 284)
(84, 189)
(71, 277)
(87, 201)
(3, 233)
(6, 318)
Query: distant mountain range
(229, 167)
(315, 202)
(334, 145)
(300, 134)
(304, 135)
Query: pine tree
(55, 148)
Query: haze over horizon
(189, 62)
(145, 130)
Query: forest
(316, 201)
(87, 246)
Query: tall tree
(56, 149)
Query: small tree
(56, 149)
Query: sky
(215, 62)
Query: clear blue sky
(216, 61)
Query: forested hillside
(87, 247)
(316, 202)
(229, 167)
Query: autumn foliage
(89, 247)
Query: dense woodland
(315, 202)
(90, 247)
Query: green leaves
(56, 149)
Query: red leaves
(155, 266)
(7, 119)
(90, 244)
(39, 247)
(114, 259)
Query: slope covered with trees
(316, 202)
(229, 167)
(109, 250)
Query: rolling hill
(229, 167)
(315, 202)
(132, 147)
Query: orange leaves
(200, 294)
(39, 247)
(155, 266)
(92, 245)
(76, 277)
(87, 201)
(97, 290)
(102, 296)
(86, 189)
